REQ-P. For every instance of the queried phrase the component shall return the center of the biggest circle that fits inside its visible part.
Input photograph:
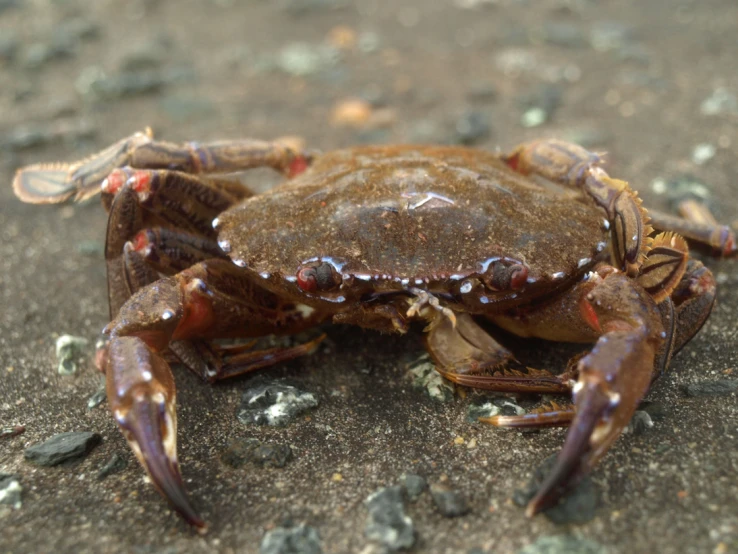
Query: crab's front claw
(613, 379)
(141, 394)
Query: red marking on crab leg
(140, 181)
(198, 313)
(114, 181)
(297, 166)
(141, 240)
(589, 315)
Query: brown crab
(541, 241)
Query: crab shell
(391, 218)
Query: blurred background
(654, 84)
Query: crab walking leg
(52, 183)
(134, 199)
(698, 226)
(210, 299)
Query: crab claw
(140, 389)
(613, 378)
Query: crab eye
(504, 275)
(318, 277)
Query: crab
(540, 241)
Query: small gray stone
(539, 105)
(291, 540)
(721, 387)
(10, 490)
(414, 485)
(242, 451)
(116, 464)
(471, 128)
(68, 350)
(302, 59)
(387, 522)
(564, 34)
(449, 502)
(577, 506)
(62, 448)
(492, 406)
(273, 404)
(563, 544)
(720, 102)
(425, 377)
(641, 422)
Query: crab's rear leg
(52, 183)
(698, 226)
(200, 302)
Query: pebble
(68, 351)
(62, 448)
(610, 35)
(425, 377)
(578, 506)
(721, 387)
(302, 59)
(563, 34)
(30, 136)
(95, 84)
(563, 544)
(449, 502)
(242, 451)
(641, 422)
(413, 485)
(10, 490)
(720, 102)
(703, 153)
(8, 47)
(353, 112)
(273, 403)
(540, 104)
(97, 398)
(472, 127)
(7, 4)
(683, 187)
(490, 407)
(291, 540)
(482, 91)
(387, 522)
(115, 464)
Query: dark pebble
(62, 448)
(720, 387)
(483, 91)
(539, 104)
(116, 464)
(641, 422)
(564, 34)
(273, 403)
(577, 506)
(291, 540)
(449, 502)
(387, 522)
(657, 410)
(8, 47)
(414, 485)
(471, 128)
(7, 4)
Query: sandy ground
(654, 84)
